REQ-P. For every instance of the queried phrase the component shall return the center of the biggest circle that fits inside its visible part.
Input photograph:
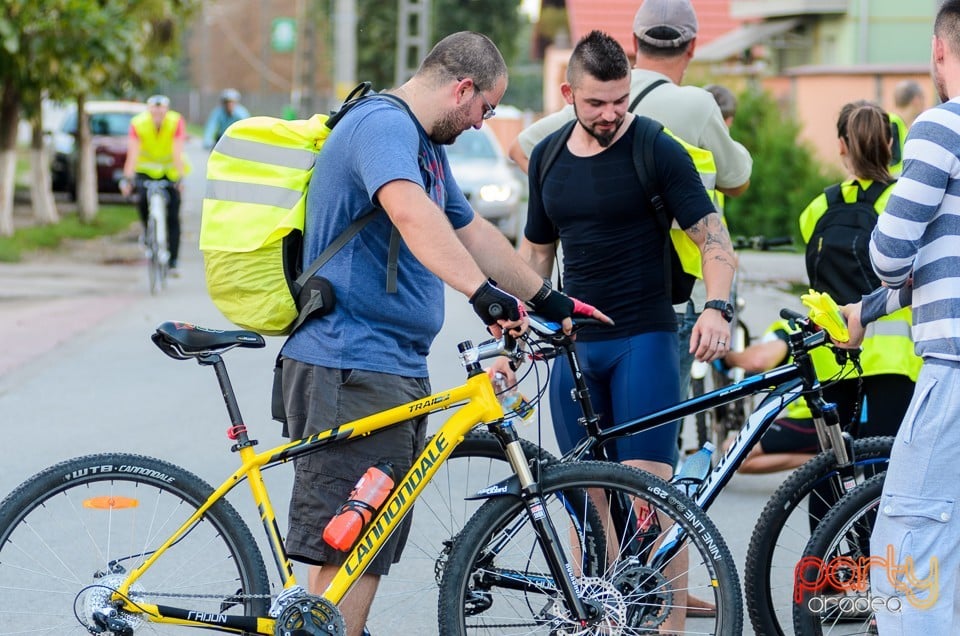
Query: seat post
(238, 430)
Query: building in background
(812, 55)
(275, 52)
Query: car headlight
(495, 193)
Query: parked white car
(493, 184)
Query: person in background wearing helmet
(155, 151)
(228, 111)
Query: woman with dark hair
(889, 364)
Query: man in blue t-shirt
(369, 354)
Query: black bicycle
(781, 532)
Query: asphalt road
(78, 373)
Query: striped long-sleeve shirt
(919, 235)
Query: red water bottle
(365, 499)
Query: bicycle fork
(546, 532)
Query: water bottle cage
(357, 506)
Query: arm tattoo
(716, 240)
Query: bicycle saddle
(182, 340)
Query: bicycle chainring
(647, 592)
(310, 615)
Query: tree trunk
(9, 111)
(41, 190)
(87, 197)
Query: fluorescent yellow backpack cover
(253, 215)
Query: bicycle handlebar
(761, 243)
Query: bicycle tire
(475, 592)
(439, 515)
(783, 529)
(67, 532)
(153, 256)
(843, 532)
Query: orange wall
(817, 97)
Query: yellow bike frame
(476, 403)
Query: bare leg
(356, 604)
(676, 570)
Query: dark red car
(109, 124)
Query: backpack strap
(393, 251)
(644, 137)
(554, 147)
(872, 193)
(646, 91)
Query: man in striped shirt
(914, 250)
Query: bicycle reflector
(824, 312)
(109, 502)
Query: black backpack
(678, 282)
(838, 252)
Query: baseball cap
(665, 23)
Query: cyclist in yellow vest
(155, 151)
(890, 366)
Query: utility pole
(345, 47)
(413, 19)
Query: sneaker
(174, 273)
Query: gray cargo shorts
(319, 398)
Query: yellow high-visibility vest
(888, 345)
(156, 146)
(898, 128)
(687, 250)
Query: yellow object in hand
(824, 312)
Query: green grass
(111, 219)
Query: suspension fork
(532, 496)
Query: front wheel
(833, 586)
(784, 528)
(70, 535)
(441, 511)
(614, 527)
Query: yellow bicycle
(123, 544)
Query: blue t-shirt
(375, 143)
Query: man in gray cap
(665, 36)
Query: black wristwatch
(724, 307)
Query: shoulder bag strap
(646, 91)
(644, 137)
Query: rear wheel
(70, 535)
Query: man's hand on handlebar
(499, 311)
(559, 307)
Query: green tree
(64, 49)
(786, 175)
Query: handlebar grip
(776, 241)
(789, 314)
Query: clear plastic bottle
(512, 401)
(694, 470)
(365, 499)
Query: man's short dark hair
(599, 56)
(947, 25)
(465, 54)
